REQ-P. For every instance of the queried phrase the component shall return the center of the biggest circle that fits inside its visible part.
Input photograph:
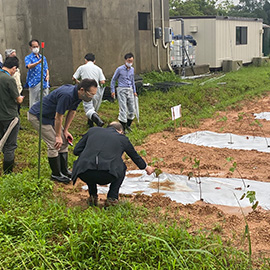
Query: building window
(241, 35)
(76, 18)
(144, 20)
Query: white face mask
(128, 64)
(35, 50)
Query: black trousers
(94, 177)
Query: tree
(252, 8)
(193, 7)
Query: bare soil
(225, 221)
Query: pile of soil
(226, 221)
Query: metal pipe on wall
(165, 46)
(183, 48)
(155, 42)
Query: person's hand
(47, 78)
(20, 99)
(135, 94)
(58, 142)
(68, 135)
(113, 95)
(149, 170)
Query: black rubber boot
(96, 119)
(92, 200)
(64, 164)
(124, 126)
(90, 123)
(129, 122)
(56, 171)
(8, 166)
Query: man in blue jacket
(100, 160)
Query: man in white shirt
(91, 71)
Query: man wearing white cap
(17, 75)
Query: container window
(241, 35)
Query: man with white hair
(16, 76)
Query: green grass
(197, 101)
(38, 231)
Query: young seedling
(252, 123)
(234, 168)
(258, 123)
(251, 195)
(156, 162)
(195, 172)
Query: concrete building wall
(216, 39)
(15, 29)
(111, 30)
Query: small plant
(195, 172)
(234, 168)
(222, 119)
(251, 195)
(247, 232)
(156, 162)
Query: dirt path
(225, 221)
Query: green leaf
(243, 196)
(190, 175)
(158, 172)
(143, 153)
(255, 205)
(251, 195)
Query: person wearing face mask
(9, 100)
(33, 79)
(126, 91)
(57, 137)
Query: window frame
(241, 35)
(73, 22)
(144, 21)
